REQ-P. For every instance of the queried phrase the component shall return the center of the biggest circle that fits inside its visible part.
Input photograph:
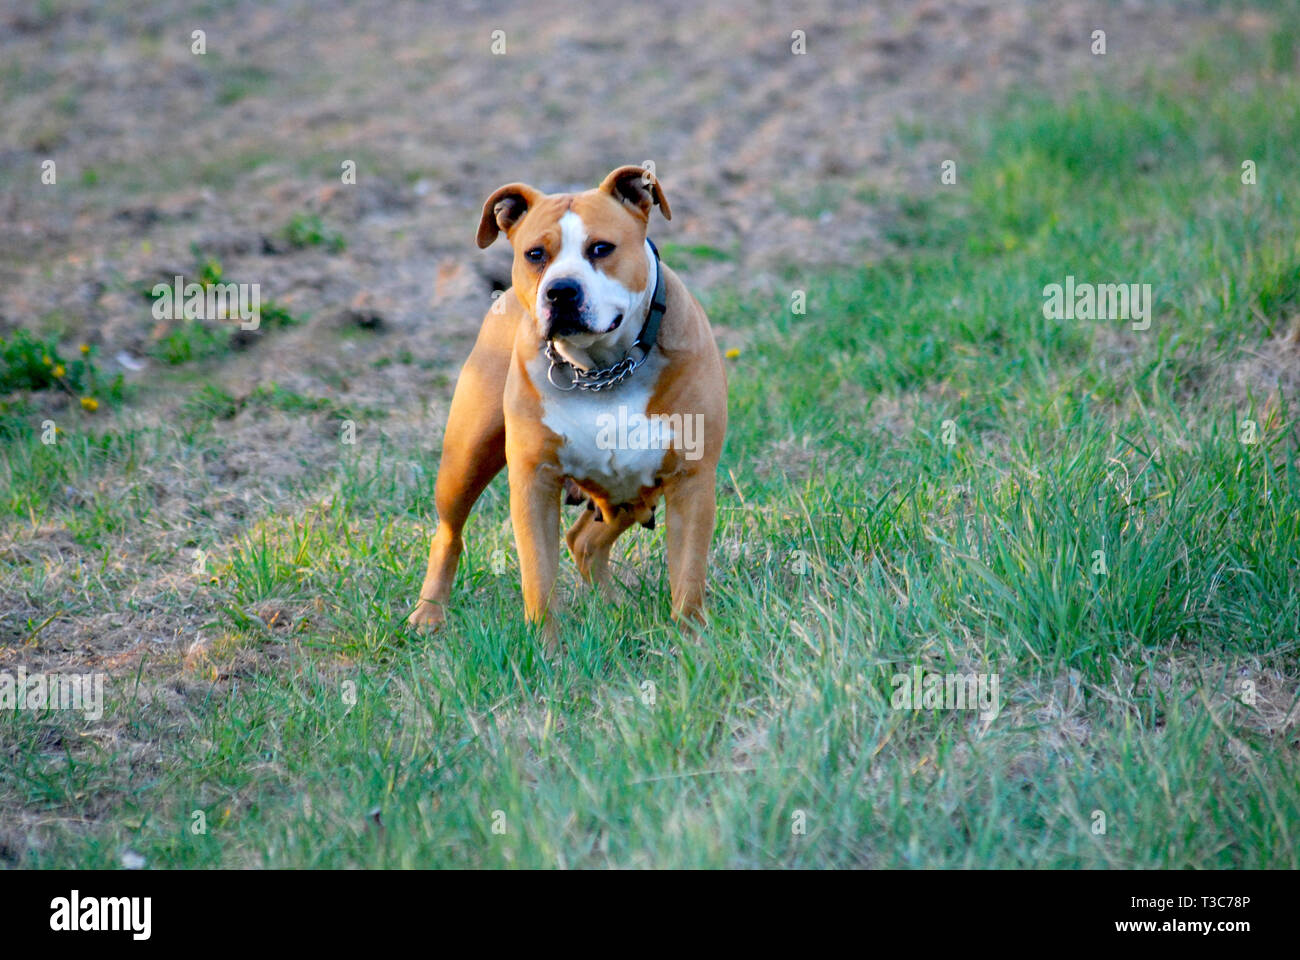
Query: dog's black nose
(564, 293)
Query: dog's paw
(426, 615)
(690, 621)
(548, 634)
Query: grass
(693, 252)
(307, 230)
(37, 383)
(30, 363)
(201, 340)
(922, 470)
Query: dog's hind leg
(590, 542)
(473, 452)
(574, 539)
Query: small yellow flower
(59, 370)
(89, 403)
(733, 353)
(48, 361)
(85, 348)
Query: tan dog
(596, 373)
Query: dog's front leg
(692, 506)
(535, 516)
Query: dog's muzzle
(565, 308)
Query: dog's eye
(535, 255)
(600, 249)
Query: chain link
(594, 380)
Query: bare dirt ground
(773, 162)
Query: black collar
(616, 373)
(649, 334)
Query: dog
(595, 377)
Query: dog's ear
(504, 209)
(637, 187)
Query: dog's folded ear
(504, 209)
(637, 187)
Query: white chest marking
(606, 437)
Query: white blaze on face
(604, 297)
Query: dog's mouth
(570, 326)
(566, 324)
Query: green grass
(307, 230)
(192, 341)
(30, 363)
(854, 542)
(238, 82)
(693, 251)
(42, 392)
(199, 341)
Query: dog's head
(580, 263)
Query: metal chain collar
(594, 380)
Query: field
(923, 469)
